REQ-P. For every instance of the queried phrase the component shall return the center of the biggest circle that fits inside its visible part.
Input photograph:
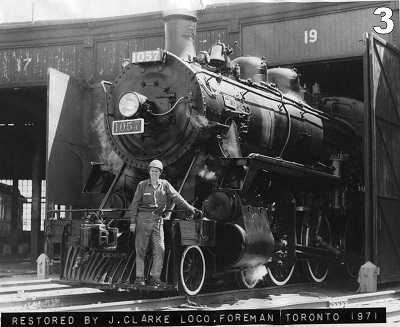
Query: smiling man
(149, 201)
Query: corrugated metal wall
(321, 37)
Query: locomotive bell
(180, 35)
(217, 56)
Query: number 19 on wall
(310, 36)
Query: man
(149, 201)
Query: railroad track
(52, 296)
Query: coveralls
(146, 210)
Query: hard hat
(156, 164)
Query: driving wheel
(319, 232)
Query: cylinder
(180, 35)
(222, 206)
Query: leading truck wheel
(192, 269)
(316, 270)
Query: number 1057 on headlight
(130, 126)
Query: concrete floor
(11, 270)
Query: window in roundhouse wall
(25, 188)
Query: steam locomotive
(277, 172)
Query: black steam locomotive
(276, 171)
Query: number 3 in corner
(386, 14)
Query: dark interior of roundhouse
(22, 171)
(335, 78)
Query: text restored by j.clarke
(202, 318)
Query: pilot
(149, 201)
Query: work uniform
(146, 209)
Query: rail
(35, 295)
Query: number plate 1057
(131, 126)
(147, 56)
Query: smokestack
(180, 35)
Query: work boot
(140, 281)
(155, 281)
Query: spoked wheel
(282, 211)
(279, 272)
(353, 246)
(280, 269)
(316, 270)
(246, 278)
(192, 270)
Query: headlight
(129, 103)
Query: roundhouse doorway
(22, 167)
